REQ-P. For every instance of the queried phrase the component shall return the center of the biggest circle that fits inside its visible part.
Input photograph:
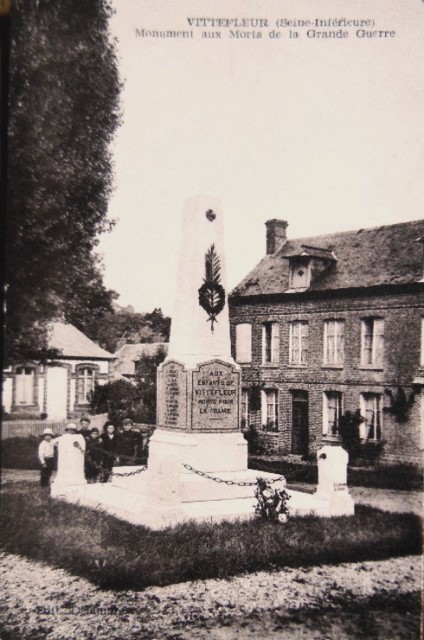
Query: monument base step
(140, 509)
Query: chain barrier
(101, 469)
(228, 482)
(248, 484)
(202, 474)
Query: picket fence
(27, 428)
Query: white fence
(26, 428)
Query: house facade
(332, 324)
(61, 388)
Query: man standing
(84, 428)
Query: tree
(119, 399)
(146, 376)
(64, 110)
(125, 326)
(123, 399)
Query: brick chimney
(275, 234)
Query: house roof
(74, 344)
(363, 258)
(128, 354)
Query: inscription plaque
(172, 396)
(215, 399)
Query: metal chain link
(228, 482)
(101, 469)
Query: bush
(399, 477)
(293, 471)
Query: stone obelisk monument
(199, 385)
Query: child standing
(46, 457)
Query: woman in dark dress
(110, 448)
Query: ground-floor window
(332, 411)
(269, 409)
(24, 385)
(245, 409)
(372, 411)
(86, 380)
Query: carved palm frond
(212, 293)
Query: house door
(57, 392)
(300, 423)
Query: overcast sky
(324, 133)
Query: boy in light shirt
(46, 451)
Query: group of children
(102, 451)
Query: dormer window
(299, 273)
(307, 265)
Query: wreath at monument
(212, 293)
(272, 503)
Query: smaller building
(60, 389)
(129, 354)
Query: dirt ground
(377, 600)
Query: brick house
(329, 324)
(60, 389)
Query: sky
(325, 133)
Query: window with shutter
(270, 342)
(25, 385)
(243, 342)
(86, 379)
(332, 411)
(372, 410)
(334, 331)
(269, 409)
(372, 342)
(299, 342)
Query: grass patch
(20, 453)
(400, 477)
(118, 555)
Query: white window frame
(371, 405)
(24, 386)
(243, 342)
(270, 342)
(372, 342)
(335, 354)
(88, 384)
(327, 397)
(269, 409)
(301, 328)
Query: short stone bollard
(332, 480)
(70, 464)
